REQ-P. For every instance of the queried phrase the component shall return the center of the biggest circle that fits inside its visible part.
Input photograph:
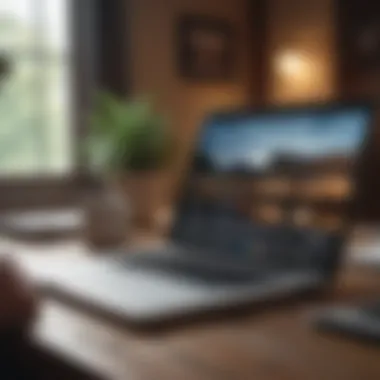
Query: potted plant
(129, 146)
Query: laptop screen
(268, 170)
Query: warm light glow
(291, 64)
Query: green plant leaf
(126, 135)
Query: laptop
(261, 215)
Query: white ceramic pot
(107, 218)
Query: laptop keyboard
(266, 255)
(192, 267)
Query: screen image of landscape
(288, 167)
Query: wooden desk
(277, 343)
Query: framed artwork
(206, 48)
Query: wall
(309, 28)
(154, 71)
(303, 30)
(301, 40)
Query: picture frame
(206, 48)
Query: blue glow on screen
(256, 141)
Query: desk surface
(276, 343)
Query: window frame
(100, 41)
(59, 190)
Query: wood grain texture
(273, 342)
(277, 343)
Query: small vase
(107, 215)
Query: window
(35, 108)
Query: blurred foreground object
(18, 301)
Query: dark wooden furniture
(358, 44)
(274, 343)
